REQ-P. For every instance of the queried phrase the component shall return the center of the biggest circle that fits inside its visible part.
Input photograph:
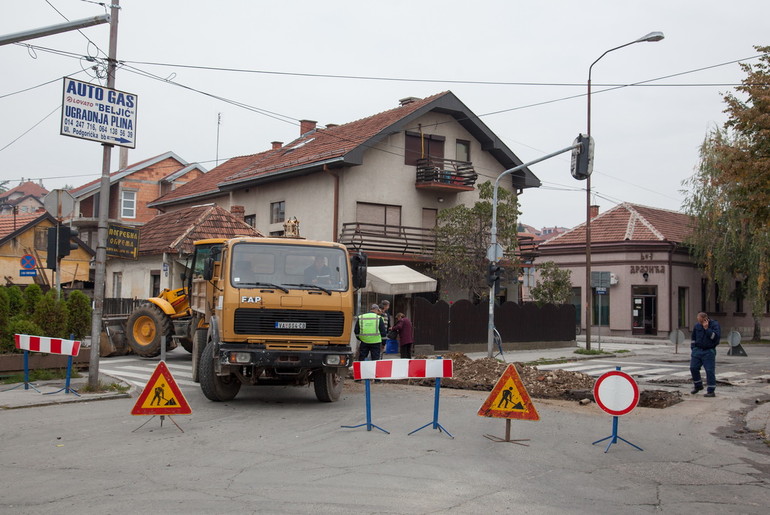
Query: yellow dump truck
(272, 311)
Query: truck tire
(144, 328)
(187, 344)
(214, 387)
(328, 386)
(201, 339)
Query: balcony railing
(445, 175)
(393, 239)
(407, 241)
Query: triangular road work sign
(161, 395)
(509, 399)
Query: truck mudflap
(320, 357)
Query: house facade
(25, 198)
(650, 284)
(375, 184)
(23, 253)
(131, 189)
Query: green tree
(5, 310)
(17, 325)
(729, 195)
(32, 295)
(79, 308)
(51, 314)
(463, 237)
(553, 285)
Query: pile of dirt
(483, 374)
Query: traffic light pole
(494, 256)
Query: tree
(463, 237)
(729, 197)
(553, 285)
(32, 295)
(51, 314)
(79, 308)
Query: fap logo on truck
(96, 113)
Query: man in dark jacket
(705, 338)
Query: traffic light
(494, 273)
(582, 157)
(58, 244)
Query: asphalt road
(278, 450)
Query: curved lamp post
(651, 37)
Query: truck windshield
(289, 267)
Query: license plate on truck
(291, 325)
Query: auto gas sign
(96, 113)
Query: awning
(397, 279)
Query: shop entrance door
(644, 306)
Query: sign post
(509, 399)
(616, 393)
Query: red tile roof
(10, 223)
(27, 188)
(175, 232)
(629, 222)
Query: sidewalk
(48, 393)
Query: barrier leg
(435, 423)
(614, 437)
(26, 384)
(368, 423)
(66, 388)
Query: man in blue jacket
(705, 338)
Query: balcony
(415, 243)
(408, 243)
(445, 175)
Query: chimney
(238, 212)
(306, 126)
(332, 125)
(407, 100)
(594, 210)
(276, 144)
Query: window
(117, 284)
(251, 220)
(419, 146)
(276, 234)
(463, 150)
(387, 217)
(682, 307)
(277, 212)
(739, 296)
(41, 238)
(429, 218)
(127, 204)
(717, 303)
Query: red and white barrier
(402, 369)
(46, 344)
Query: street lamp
(651, 37)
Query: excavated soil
(483, 374)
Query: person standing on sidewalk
(405, 335)
(703, 346)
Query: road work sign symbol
(161, 395)
(509, 399)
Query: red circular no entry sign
(616, 393)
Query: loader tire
(201, 339)
(144, 328)
(214, 387)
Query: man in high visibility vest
(370, 330)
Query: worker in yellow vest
(370, 330)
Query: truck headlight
(333, 359)
(240, 357)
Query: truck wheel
(187, 344)
(214, 387)
(328, 386)
(201, 339)
(145, 326)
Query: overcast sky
(514, 63)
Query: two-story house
(131, 188)
(375, 184)
(27, 197)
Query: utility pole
(104, 210)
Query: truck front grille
(288, 322)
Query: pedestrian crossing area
(137, 372)
(639, 371)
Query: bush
(18, 325)
(16, 298)
(32, 295)
(79, 322)
(5, 310)
(51, 313)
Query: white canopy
(397, 279)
